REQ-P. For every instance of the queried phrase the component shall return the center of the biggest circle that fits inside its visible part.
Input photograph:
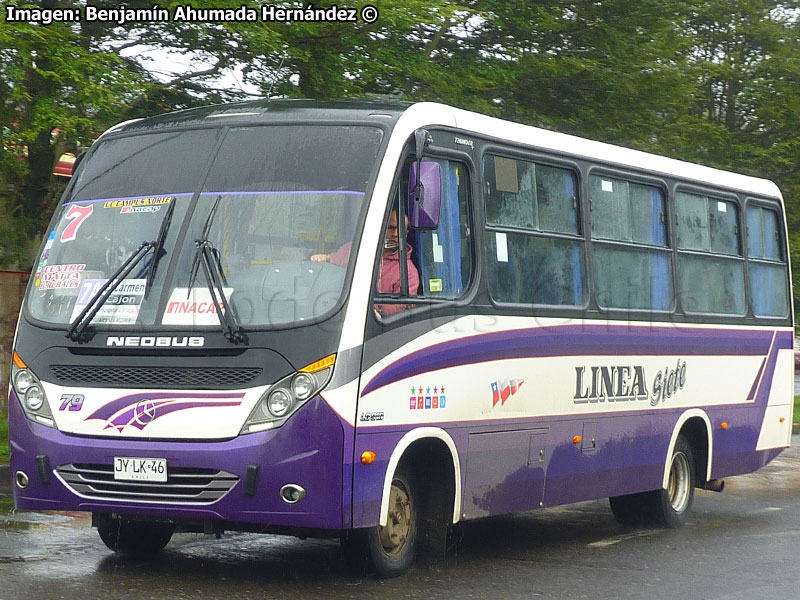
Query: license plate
(140, 469)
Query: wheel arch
(697, 427)
(405, 447)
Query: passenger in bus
(389, 278)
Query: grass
(796, 418)
(4, 438)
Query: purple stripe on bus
(111, 408)
(239, 193)
(576, 340)
(287, 193)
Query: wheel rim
(394, 536)
(679, 482)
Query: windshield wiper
(206, 229)
(75, 332)
(159, 251)
(207, 255)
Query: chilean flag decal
(502, 391)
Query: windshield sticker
(129, 203)
(60, 276)
(127, 210)
(121, 307)
(195, 308)
(77, 215)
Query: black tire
(391, 549)
(671, 506)
(662, 508)
(135, 538)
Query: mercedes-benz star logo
(144, 412)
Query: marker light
(724, 425)
(367, 457)
(19, 362)
(322, 363)
(577, 439)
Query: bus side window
(443, 256)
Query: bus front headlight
(278, 403)
(282, 399)
(30, 392)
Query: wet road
(740, 544)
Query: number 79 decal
(77, 214)
(71, 402)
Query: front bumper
(307, 451)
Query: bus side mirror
(423, 212)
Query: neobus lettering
(157, 342)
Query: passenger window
(722, 290)
(763, 239)
(707, 224)
(628, 277)
(768, 278)
(532, 196)
(537, 262)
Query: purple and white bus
(590, 322)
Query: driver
(389, 277)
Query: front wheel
(136, 538)
(391, 548)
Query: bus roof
(431, 114)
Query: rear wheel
(662, 508)
(138, 538)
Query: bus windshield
(268, 198)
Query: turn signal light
(724, 425)
(19, 362)
(577, 439)
(367, 457)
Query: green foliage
(711, 82)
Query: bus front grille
(147, 377)
(183, 485)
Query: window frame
(546, 160)
(599, 170)
(783, 262)
(415, 302)
(711, 194)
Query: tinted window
(627, 277)
(768, 282)
(711, 285)
(707, 224)
(535, 270)
(632, 278)
(532, 196)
